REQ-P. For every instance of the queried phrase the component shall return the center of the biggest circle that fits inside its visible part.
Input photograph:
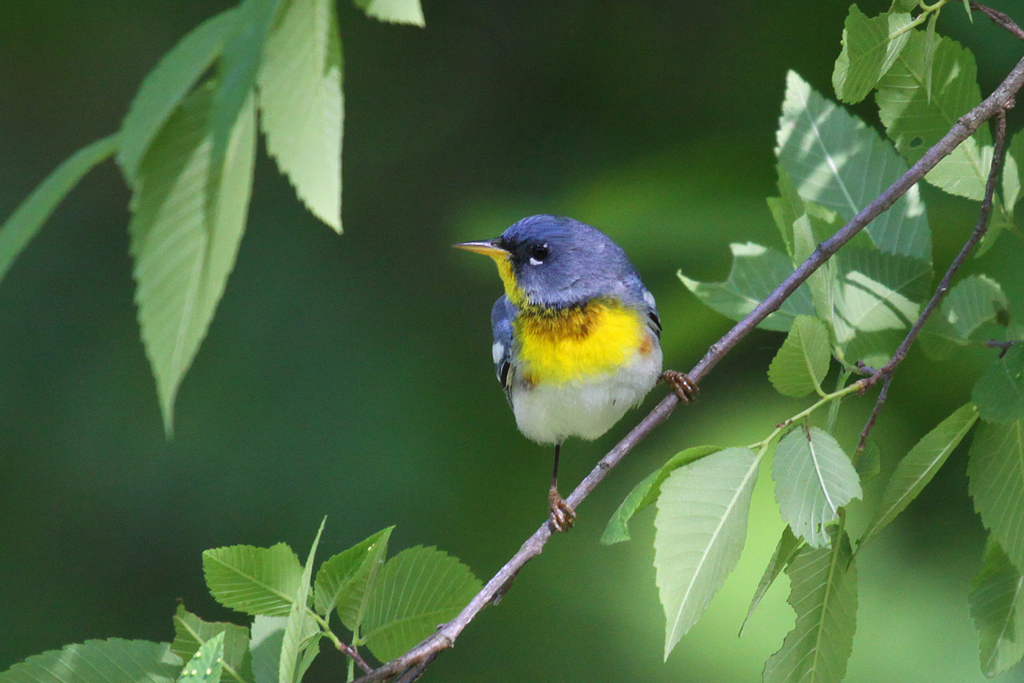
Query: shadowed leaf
(999, 391)
(343, 580)
(191, 632)
(996, 473)
(972, 302)
(785, 551)
(802, 361)
(265, 645)
(868, 52)
(99, 661)
(997, 608)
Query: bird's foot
(685, 388)
(562, 514)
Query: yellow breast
(563, 345)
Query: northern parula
(576, 335)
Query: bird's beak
(487, 247)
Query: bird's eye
(538, 254)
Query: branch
(999, 19)
(446, 635)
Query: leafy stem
(825, 400)
(926, 11)
(353, 655)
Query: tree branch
(417, 658)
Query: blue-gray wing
(501, 325)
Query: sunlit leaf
(647, 492)
(265, 645)
(756, 271)
(916, 121)
(253, 580)
(417, 589)
(823, 592)
(18, 230)
(836, 160)
(301, 104)
(166, 85)
(206, 664)
(1013, 169)
(996, 473)
(394, 11)
(868, 52)
(999, 391)
(701, 527)
(342, 580)
(997, 608)
(99, 661)
(187, 221)
(191, 632)
(813, 479)
(918, 467)
(785, 551)
(802, 361)
(300, 628)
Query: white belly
(586, 408)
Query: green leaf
(1013, 167)
(931, 45)
(802, 361)
(417, 589)
(967, 8)
(253, 580)
(756, 271)
(869, 464)
(868, 52)
(999, 220)
(700, 529)
(301, 104)
(191, 632)
(99, 661)
(647, 492)
(997, 608)
(785, 551)
(18, 230)
(265, 645)
(813, 479)
(903, 5)
(875, 301)
(919, 466)
(823, 592)
(915, 121)
(166, 85)
(394, 11)
(188, 218)
(999, 391)
(240, 63)
(207, 664)
(836, 160)
(972, 302)
(300, 628)
(346, 577)
(996, 473)
(786, 208)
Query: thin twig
(354, 654)
(1004, 346)
(445, 637)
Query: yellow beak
(487, 248)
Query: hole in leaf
(916, 142)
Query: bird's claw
(686, 389)
(562, 514)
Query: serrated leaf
(972, 302)
(996, 474)
(785, 550)
(206, 664)
(239, 65)
(300, 628)
(802, 361)
(813, 479)
(346, 576)
(997, 608)
(647, 492)
(187, 221)
(99, 661)
(823, 592)
(756, 271)
(19, 229)
(701, 526)
(418, 589)
(999, 391)
(166, 85)
(870, 46)
(301, 104)
(836, 160)
(918, 467)
(915, 121)
(191, 632)
(931, 45)
(394, 11)
(261, 581)
(265, 645)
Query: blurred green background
(351, 376)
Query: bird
(576, 335)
